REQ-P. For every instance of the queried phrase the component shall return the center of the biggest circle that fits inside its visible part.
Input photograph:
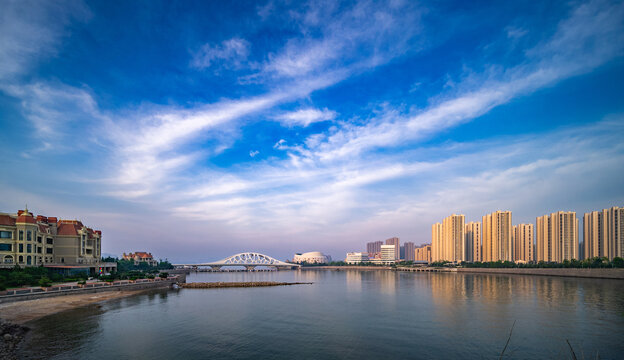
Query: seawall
(565, 272)
(40, 293)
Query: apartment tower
(397, 246)
(523, 237)
(497, 230)
(603, 233)
(557, 237)
(374, 249)
(409, 251)
(473, 241)
(436, 242)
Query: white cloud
(253, 153)
(230, 54)
(305, 117)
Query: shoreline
(592, 273)
(25, 311)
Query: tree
(618, 262)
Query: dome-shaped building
(313, 257)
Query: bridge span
(249, 260)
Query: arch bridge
(250, 260)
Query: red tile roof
(7, 220)
(67, 229)
(26, 219)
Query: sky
(200, 129)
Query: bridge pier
(250, 267)
(215, 268)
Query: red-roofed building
(139, 257)
(27, 240)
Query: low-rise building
(139, 257)
(26, 240)
(313, 257)
(356, 257)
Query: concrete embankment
(567, 272)
(214, 285)
(53, 291)
(346, 268)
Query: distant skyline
(195, 130)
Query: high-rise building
(409, 251)
(473, 241)
(374, 249)
(436, 242)
(523, 238)
(497, 237)
(397, 244)
(388, 253)
(448, 241)
(603, 233)
(423, 253)
(557, 237)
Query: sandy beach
(21, 312)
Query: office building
(388, 253)
(356, 258)
(496, 235)
(557, 237)
(603, 233)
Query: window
(6, 235)
(21, 249)
(5, 247)
(21, 259)
(39, 250)
(29, 248)
(49, 241)
(28, 235)
(39, 239)
(49, 251)
(28, 260)
(21, 234)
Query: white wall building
(313, 257)
(356, 257)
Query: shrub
(45, 281)
(164, 275)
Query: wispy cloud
(230, 53)
(305, 117)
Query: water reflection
(348, 314)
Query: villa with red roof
(141, 256)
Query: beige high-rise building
(423, 253)
(557, 237)
(523, 237)
(497, 230)
(397, 246)
(436, 242)
(473, 241)
(448, 241)
(603, 233)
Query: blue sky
(199, 129)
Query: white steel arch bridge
(250, 260)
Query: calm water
(347, 315)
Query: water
(347, 315)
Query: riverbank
(346, 268)
(596, 273)
(14, 315)
(216, 285)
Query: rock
(8, 337)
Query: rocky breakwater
(10, 336)
(213, 285)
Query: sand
(21, 312)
